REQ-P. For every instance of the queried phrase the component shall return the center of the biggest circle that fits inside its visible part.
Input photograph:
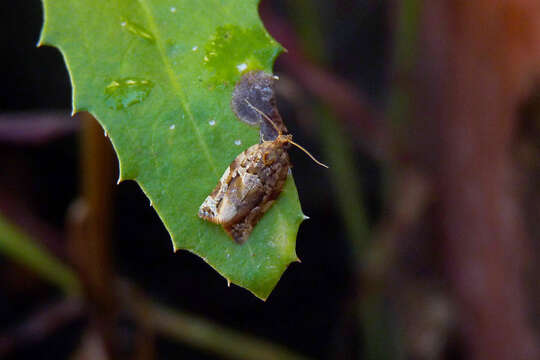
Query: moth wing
(209, 208)
(220, 207)
(244, 193)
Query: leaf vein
(174, 82)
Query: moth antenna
(280, 133)
(307, 152)
(265, 116)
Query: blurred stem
(89, 219)
(377, 339)
(19, 247)
(203, 334)
(405, 38)
(406, 35)
(378, 344)
(89, 222)
(39, 325)
(209, 336)
(346, 182)
(306, 17)
(384, 340)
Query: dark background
(410, 295)
(303, 312)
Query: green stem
(404, 59)
(378, 342)
(20, 248)
(346, 183)
(211, 337)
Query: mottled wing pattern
(236, 192)
(209, 208)
(247, 189)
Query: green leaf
(159, 75)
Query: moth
(251, 184)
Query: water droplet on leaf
(230, 51)
(137, 29)
(122, 93)
(241, 67)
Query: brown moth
(250, 185)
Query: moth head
(283, 139)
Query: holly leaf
(159, 76)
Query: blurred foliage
(19, 247)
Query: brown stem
(477, 59)
(35, 128)
(89, 221)
(40, 325)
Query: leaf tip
(76, 108)
(40, 42)
(122, 176)
(261, 297)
